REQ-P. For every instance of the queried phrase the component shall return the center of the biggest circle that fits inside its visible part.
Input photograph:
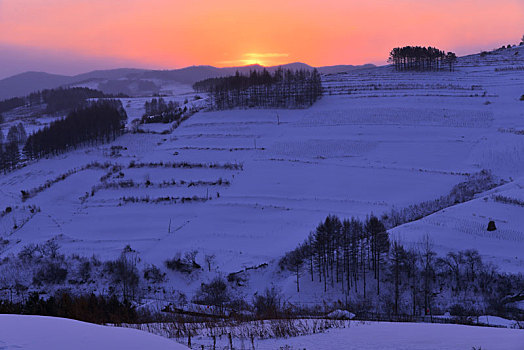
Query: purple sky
(18, 59)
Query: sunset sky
(73, 36)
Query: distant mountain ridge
(25, 83)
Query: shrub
(50, 273)
(50, 249)
(184, 265)
(177, 264)
(84, 271)
(124, 272)
(522, 98)
(154, 275)
(269, 304)
(462, 311)
(28, 253)
(213, 293)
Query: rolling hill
(260, 180)
(121, 79)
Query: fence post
(189, 340)
(214, 342)
(230, 341)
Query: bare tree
(428, 270)
(293, 261)
(124, 272)
(397, 260)
(412, 274)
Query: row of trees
(56, 100)
(11, 103)
(159, 106)
(417, 58)
(99, 122)
(87, 308)
(282, 89)
(158, 111)
(342, 252)
(64, 99)
(352, 255)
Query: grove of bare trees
(282, 89)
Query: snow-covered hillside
(50, 333)
(249, 185)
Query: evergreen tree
(22, 135)
(16, 134)
(3, 160)
(12, 135)
(99, 122)
(420, 58)
(11, 155)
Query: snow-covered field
(50, 333)
(404, 336)
(264, 178)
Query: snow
(378, 140)
(404, 336)
(341, 315)
(466, 226)
(49, 333)
(350, 335)
(495, 321)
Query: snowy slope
(376, 141)
(49, 333)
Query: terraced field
(248, 185)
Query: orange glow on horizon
(169, 34)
